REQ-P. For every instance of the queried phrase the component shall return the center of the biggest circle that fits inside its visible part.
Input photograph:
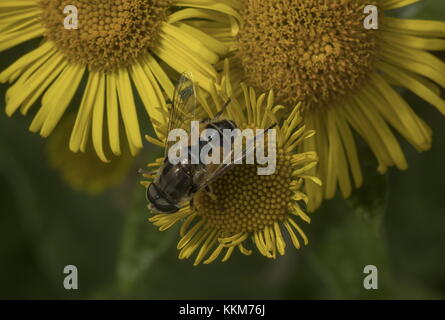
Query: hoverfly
(175, 184)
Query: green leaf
(351, 238)
(369, 202)
(345, 245)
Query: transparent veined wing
(182, 108)
(216, 171)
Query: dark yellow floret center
(314, 51)
(110, 33)
(243, 201)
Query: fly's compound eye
(158, 202)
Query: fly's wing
(250, 146)
(183, 107)
(224, 167)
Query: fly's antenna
(226, 104)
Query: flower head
(111, 33)
(118, 44)
(85, 171)
(320, 53)
(245, 206)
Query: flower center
(314, 51)
(110, 33)
(243, 201)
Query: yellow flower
(320, 53)
(118, 44)
(245, 205)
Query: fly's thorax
(221, 134)
(222, 124)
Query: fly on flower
(244, 206)
(207, 150)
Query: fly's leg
(226, 104)
(210, 192)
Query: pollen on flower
(243, 201)
(314, 51)
(110, 34)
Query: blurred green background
(396, 222)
